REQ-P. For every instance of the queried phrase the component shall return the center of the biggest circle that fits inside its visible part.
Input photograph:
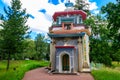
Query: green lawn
(108, 73)
(18, 68)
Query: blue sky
(102, 2)
(41, 11)
(1, 6)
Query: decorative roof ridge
(71, 11)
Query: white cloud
(93, 6)
(42, 22)
(7, 1)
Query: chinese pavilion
(69, 48)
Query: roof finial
(69, 4)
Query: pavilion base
(65, 73)
(86, 70)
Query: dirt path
(42, 74)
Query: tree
(112, 13)
(117, 56)
(29, 49)
(47, 56)
(14, 29)
(40, 46)
(82, 5)
(1, 55)
(99, 40)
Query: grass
(18, 68)
(108, 73)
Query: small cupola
(69, 6)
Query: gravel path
(42, 74)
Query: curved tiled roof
(65, 13)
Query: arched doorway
(65, 62)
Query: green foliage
(14, 29)
(105, 37)
(99, 40)
(41, 47)
(29, 50)
(101, 54)
(116, 56)
(0, 44)
(48, 53)
(112, 13)
(18, 68)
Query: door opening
(65, 62)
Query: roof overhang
(66, 35)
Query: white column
(79, 55)
(52, 56)
(86, 63)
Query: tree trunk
(8, 62)
(118, 62)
